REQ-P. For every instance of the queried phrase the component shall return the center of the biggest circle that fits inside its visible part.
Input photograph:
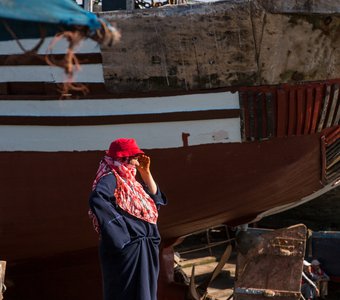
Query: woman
(309, 289)
(322, 278)
(125, 214)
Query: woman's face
(133, 160)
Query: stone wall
(222, 44)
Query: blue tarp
(65, 12)
(24, 15)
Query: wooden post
(2, 277)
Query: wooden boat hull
(206, 185)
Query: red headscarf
(129, 193)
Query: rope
(107, 35)
(35, 49)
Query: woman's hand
(144, 170)
(144, 164)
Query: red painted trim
(264, 117)
(281, 113)
(323, 160)
(331, 137)
(300, 110)
(324, 108)
(256, 113)
(317, 108)
(292, 112)
(332, 105)
(309, 106)
(48, 91)
(39, 60)
(99, 93)
(275, 117)
(120, 119)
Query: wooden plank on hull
(259, 116)
(333, 152)
(337, 117)
(309, 111)
(300, 110)
(333, 136)
(330, 146)
(282, 109)
(247, 116)
(251, 106)
(324, 108)
(334, 102)
(270, 115)
(264, 116)
(316, 109)
(323, 160)
(292, 112)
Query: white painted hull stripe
(148, 135)
(11, 47)
(128, 106)
(88, 73)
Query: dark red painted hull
(48, 240)
(44, 207)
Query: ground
(319, 214)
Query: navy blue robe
(129, 253)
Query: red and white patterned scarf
(129, 193)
